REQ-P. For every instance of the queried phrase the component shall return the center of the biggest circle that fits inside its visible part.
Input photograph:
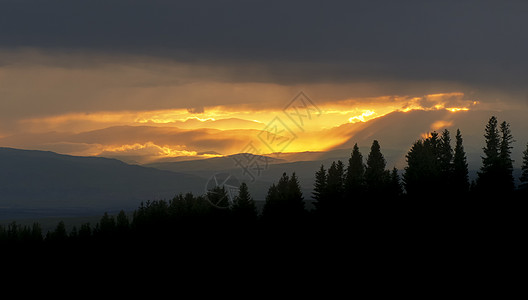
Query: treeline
(184, 217)
(435, 171)
(152, 219)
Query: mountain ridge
(47, 183)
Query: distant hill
(213, 164)
(41, 183)
(253, 170)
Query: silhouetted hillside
(40, 183)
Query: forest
(433, 191)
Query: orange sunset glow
(213, 131)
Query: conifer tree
(295, 196)
(395, 187)
(122, 224)
(376, 177)
(495, 175)
(445, 157)
(59, 234)
(490, 160)
(284, 201)
(506, 163)
(36, 232)
(85, 232)
(422, 171)
(355, 175)
(460, 178)
(218, 197)
(244, 208)
(106, 226)
(524, 168)
(272, 204)
(334, 181)
(319, 191)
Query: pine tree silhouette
(335, 185)
(422, 170)
(506, 163)
(244, 208)
(445, 160)
(495, 176)
(319, 194)
(524, 168)
(395, 187)
(460, 179)
(284, 202)
(376, 177)
(218, 197)
(355, 176)
(490, 160)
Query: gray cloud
(196, 110)
(110, 55)
(472, 41)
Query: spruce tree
(244, 208)
(506, 163)
(59, 234)
(106, 226)
(490, 160)
(460, 178)
(36, 232)
(495, 176)
(524, 168)
(445, 157)
(295, 196)
(284, 202)
(395, 187)
(422, 171)
(355, 175)
(122, 224)
(376, 177)
(85, 232)
(273, 203)
(218, 197)
(319, 191)
(335, 183)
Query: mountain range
(42, 183)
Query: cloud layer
(299, 41)
(72, 68)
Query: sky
(159, 79)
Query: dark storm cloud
(473, 42)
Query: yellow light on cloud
(456, 109)
(361, 117)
